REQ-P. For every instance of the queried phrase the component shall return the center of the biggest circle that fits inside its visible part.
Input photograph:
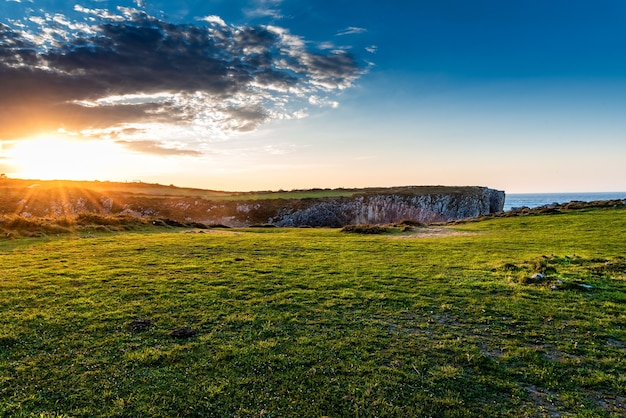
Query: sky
(522, 96)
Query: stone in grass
(558, 285)
(183, 333)
(572, 286)
(140, 325)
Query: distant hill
(313, 207)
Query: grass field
(441, 322)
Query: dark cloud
(132, 69)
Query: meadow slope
(274, 322)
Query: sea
(533, 200)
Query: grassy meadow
(441, 321)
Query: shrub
(218, 226)
(411, 222)
(543, 266)
(510, 267)
(197, 225)
(364, 229)
(22, 223)
(89, 218)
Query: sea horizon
(532, 200)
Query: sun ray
(23, 203)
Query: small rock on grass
(183, 333)
(140, 324)
(584, 286)
(537, 277)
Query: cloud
(156, 148)
(213, 19)
(351, 31)
(115, 71)
(264, 8)
(372, 49)
(5, 162)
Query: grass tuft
(364, 229)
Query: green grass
(150, 190)
(295, 194)
(315, 322)
(155, 191)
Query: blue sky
(524, 96)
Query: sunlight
(63, 158)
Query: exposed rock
(537, 277)
(572, 286)
(392, 208)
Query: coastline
(533, 200)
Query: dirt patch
(435, 231)
(544, 400)
(616, 343)
(610, 402)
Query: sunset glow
(282, 94)
(62, 158)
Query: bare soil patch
(435, 231)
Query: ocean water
(532, 200)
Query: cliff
(333, 208)
(387, 208)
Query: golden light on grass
(58, 157)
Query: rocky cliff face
(372, 206)
(393, 208)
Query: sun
(57, 157)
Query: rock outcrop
(392, 208)
(377, 206)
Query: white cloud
(100, 13)
(264, 8)
(213, 19)
(352, 30)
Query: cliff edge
(383, 208)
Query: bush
(89, 218)
(364, 229)
(411, 222)
(197, 225)
(218, 226)
(543, 266)
(22, 223)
